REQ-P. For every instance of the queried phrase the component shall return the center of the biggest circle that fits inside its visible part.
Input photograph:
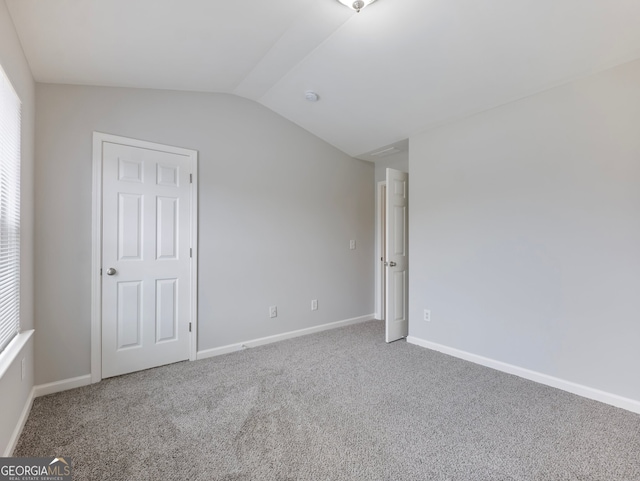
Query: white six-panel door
(146, 262)
(396, 259)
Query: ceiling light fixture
(356, 5)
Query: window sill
(12, 351)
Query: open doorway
(381, 221)
(392, 266)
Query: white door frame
(379, 271)
(96, 244)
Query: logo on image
(35, 469)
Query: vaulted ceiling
(393, 70)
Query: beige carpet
(338, 405)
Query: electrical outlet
(273, 311)
(314, 304)
(352, 244)
(427, 315)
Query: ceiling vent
(385, 152)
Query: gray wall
(278, 207)
(14, 391)
(525, 233)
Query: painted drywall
(14, 391)
(15, 396)
(524, 233)
(278, 207)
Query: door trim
(96, 244)
(379, 271)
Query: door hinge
(101, 271)
(189, 327)
(191, 178)
(190, 251)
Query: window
(9, 211)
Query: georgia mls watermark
(35, 469)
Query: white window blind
(9, 211)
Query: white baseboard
(37, 391)
(572, 387)
(64, 385)
(218, 351)
(22, 420)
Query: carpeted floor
(338, 405)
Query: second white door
(146, 257)
(396, 260)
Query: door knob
(111, 271)
(390, 264)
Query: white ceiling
(397, 68)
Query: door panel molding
(131, 173)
